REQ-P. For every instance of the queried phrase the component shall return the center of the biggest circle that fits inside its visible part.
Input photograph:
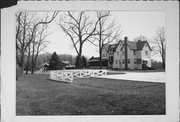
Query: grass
(37, 95)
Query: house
(67, 65)
(127, 54)
(94, 62)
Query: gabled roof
(131, 44)
(136, 45)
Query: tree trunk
(163, 62)
(100, 45)
(100, 59)
(27, 65)
(35, 60)
(32, 67)
(163, 55)
(22, 61)
(79, 56)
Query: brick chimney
(126, 52)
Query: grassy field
(37, 95)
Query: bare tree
(25, 21)
(28, 56)
(38, 45)
(142, 38)
(22, 27)
(106, 32)
(160, 44)
(79, 27)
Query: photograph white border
(8, 57)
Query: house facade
(127, 54)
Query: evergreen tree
(54, 63)
(84, 62)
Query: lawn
(37, 95)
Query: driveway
(141, 76)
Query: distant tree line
(45, 58)
(49, 57)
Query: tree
(39, 44)
(23, 24)
(105, 32)
(160, 44)
(79, 28)
(26, 28)
(84, 62)
(54, 63)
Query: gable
(141, 45)
(146, 45)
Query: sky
(133, 24)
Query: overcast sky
(133, 24)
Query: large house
(127, 54)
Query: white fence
(69, 75)
(66, 76)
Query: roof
(93, 59)
(136, 45)
(111, 47)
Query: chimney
(126, 52)
(139, 41)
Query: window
(119, 61)
(116, 61)
(145, 62)
(146, 52)
(128, 61)
(138, 61)
(134, 52)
